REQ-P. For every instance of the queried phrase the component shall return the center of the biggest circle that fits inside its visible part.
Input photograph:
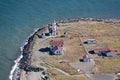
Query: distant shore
(24, 63)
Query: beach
(36, 64)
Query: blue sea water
(18, 18)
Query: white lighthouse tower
(54, 29)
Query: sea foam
(14, 73)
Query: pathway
(65, 73)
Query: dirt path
(65, 73)
(37, 56)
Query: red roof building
(56, 43)
(56, 47)
(109, 49)
(106, 51)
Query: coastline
(15, 71)
(23, 61)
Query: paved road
(101, 76)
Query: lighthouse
(54, 29)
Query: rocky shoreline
(25, 63)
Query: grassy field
(62, 77)
(106, 35)
(111, 65)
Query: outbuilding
(86, 58)
(90, 41)
(106, 51)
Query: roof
(91, 40)
(85, 56)
(56, 43)
(57, 48)
(105, 49)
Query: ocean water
(19, 18)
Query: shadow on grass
(51, 53)
(92, 52)
(81, 60)
(47, 34)
(44, 49)
(85, 42)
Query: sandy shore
(33, 64)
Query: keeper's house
(56, 47)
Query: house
(86, 58)
(56, 46)
(106, 51)
(90, 41)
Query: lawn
(111, 65)
(62, 77)
(106, 35)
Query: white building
(56, 47)
(54, 29)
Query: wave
(15, 71)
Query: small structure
(65, 34)
(106, 51)
(90, 41)
(43, 35)
(56, 47)
(86, 58)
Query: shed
(90, 41)
(43, 35)
(65, 34)
(86, 58)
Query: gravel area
(85, 67)
(101, 76)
